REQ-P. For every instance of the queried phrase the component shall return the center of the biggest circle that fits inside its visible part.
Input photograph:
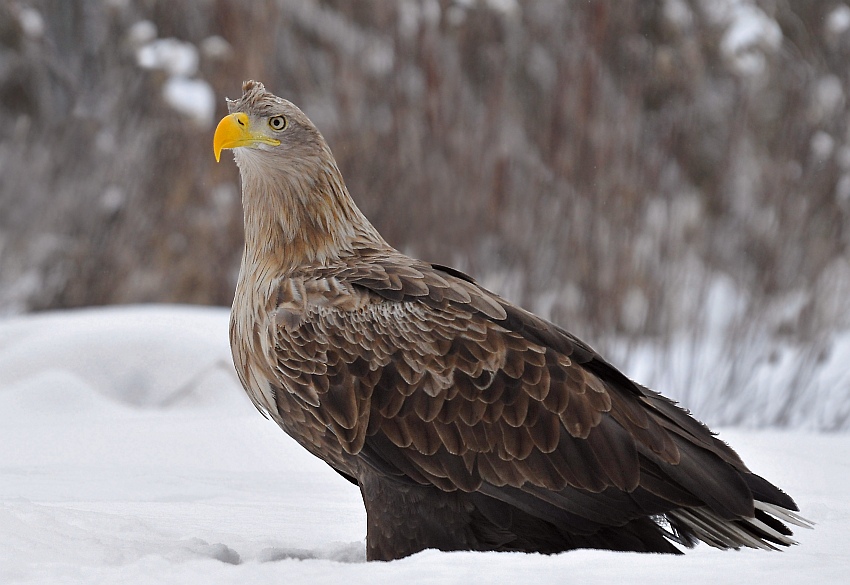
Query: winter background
(670, 179)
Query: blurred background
(668, 179)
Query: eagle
(467, 422)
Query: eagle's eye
(277, 122)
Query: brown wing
(427, 378)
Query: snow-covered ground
(128, 454)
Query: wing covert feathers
(416, 376)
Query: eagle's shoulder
(381, 277)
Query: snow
(130, 454)
(822, 145)
(216, 47)
(678, 13)
(191, 97)
(141, 33)
(173, 56)
(31, 22)
(750, 34)
(838, 20)
(507, 7)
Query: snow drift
(128, 453)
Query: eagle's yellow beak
(234, 131)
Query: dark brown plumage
(467, 422)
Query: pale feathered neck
(299, 214)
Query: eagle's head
(267, 130)
(297, 208)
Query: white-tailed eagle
(467, 422)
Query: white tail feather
(721, 533)
(785, 515)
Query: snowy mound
(129, 454)
(140, 356)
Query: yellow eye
(277, 122)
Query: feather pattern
(467, 422)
